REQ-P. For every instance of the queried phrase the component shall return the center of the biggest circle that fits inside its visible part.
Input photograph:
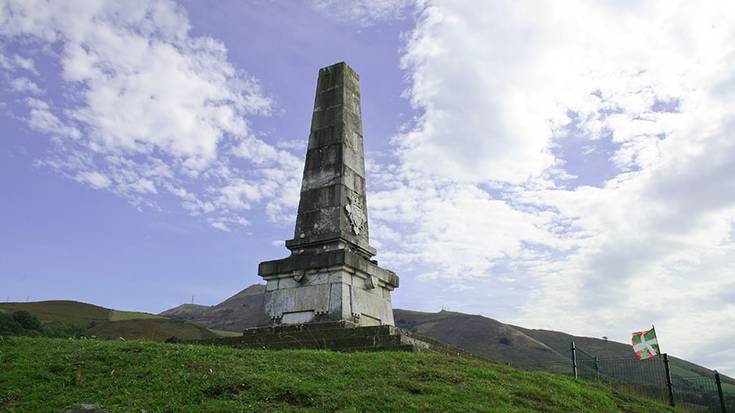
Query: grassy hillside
(106, 323)
(605, 349)
(41, 374)
(532, 349)
(486, 337)
(242, 310)
(74, 312)
(159, 329)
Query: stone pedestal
(332, 286)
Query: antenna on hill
(192, 299)
(28, 298)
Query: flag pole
(653, 327)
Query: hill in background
(242, 310)
(93, 320)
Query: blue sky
(561, 165)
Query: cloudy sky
(563, 165)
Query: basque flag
(645, 344)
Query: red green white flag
(645, 344)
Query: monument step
(314, 326)
(334, 333)
(268, 340)
(337, 336)
(401, 348)
(322, 341)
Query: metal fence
(652, 378)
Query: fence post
(669, 385)
(597, 368)
(719, 392)
(574, 360)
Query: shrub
(62, 329)
(27, 320)
(8, 325)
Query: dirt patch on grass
(295, 398)
(228, 390)
(413, 387)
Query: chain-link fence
(652, 378)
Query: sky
(564, 165)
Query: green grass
(225, 333)
(116, 315)
(42, 374)
(728, 388)
(157, 329)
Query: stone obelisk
(330, 275)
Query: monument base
(337, 285)
(337, 336)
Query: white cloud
(23, 84)
(226, 224)
(94, 179)
(482, 190)
(147, 105)
(42, 119)
(220, 226)
(17, 63)
(363, 12)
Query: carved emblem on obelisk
(355, 213)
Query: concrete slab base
(330, 286)
(337, 336)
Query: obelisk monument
(330, 276)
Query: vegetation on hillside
(74, 312)
(75, 319)
(25, 323)
(41, 374)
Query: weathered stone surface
(337, 335)
(330, 275)
(334, 172)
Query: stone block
(321, 196)
(329, 98)
(331, 116)
(318, 222)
